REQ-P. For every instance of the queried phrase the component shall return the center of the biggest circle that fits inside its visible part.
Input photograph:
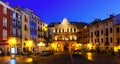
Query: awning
(4, 43)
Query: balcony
(106, 43)
(14, 24)
(97, 35)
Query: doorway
(1, 51)
(66, 47)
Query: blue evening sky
(75, 10)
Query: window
(110, 30)
(106, 31)
(111, 40)
(98, 40)
(95, 40)
(74, 29)
(63, 30)
(102, 40)
(4, 34)
(19, 32)
(14, 32)
(55, 30)
(91, 34)
(101, 31)
(25, 27)
(14, 15)
(95, 33)
(4, 10)
(59, 30)
(4, 22)
(117, 30)
(106, 23)
(67, 30)
(118, 41)
(107, 43)
(26, 19)
(19, 16)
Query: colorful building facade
(33, 20)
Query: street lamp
(80, 44)
(12, 41)
(89, 46)
(29, 44)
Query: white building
(117, 32)
(101, 35)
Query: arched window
(74, 29)
(62, 30)
(55, 30)
(59, 30)
(67, 29)
(70, 29)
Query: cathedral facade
(65, 35)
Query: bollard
(13, 56)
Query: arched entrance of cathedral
(66, 47)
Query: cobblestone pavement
(102, 58)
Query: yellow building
(41, 31)
(42, 36)
(25, 30)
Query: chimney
(111, 15)
(7, 3)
